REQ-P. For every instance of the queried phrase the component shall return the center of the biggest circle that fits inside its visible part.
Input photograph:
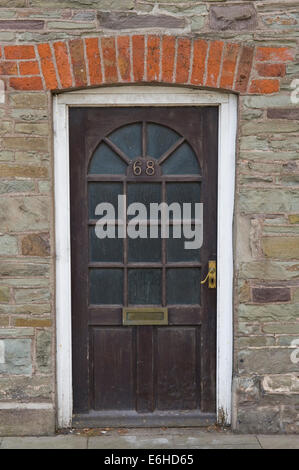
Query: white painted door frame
(146, 96)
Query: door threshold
(116, 419)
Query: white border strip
(225, 267)
(146, 96)
(63, 265)
(141, 96)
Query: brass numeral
(147, 167)
(137, 169)
(150, 168)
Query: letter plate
(145, 316)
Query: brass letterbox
(145, 316)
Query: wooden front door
(144, 374)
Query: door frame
(134, 95)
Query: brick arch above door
(93, 61)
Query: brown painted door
(147, 374)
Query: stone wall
(250, 47)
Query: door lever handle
(211, 276)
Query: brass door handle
(211, 276)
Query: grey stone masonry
(250, 48)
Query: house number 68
(149, 168)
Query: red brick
(109, 57)
(244, 69)
(29, 68)
(200, 48)
(63, 64)
(271, 70)
(264, 86)
(275, 54)
(138, 58)
(26, 83)
(153, 58)
(47, 66)
(19, 52)
(124, 61)
(229, 66)
(94, 61)
(214, 62)
(8, 68)
(183, 61)
(78, 61)
(168, 55)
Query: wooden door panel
(113, 379)
(178, 371)
(145, 386)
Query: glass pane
(106, 286)
(144, 193)
(159, 139)
(176, 250)
(182, 162)
(128, 139)
(103, 192)
(145, 249)
(105, 161)
(145, 286)
(183, 192)
(183, 286)
(107, 249)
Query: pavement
(158, 438)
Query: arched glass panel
(159, 139)
(128, 139)
(142, 142)
(182, 162)
(105, 161)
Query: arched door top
(94, 61)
